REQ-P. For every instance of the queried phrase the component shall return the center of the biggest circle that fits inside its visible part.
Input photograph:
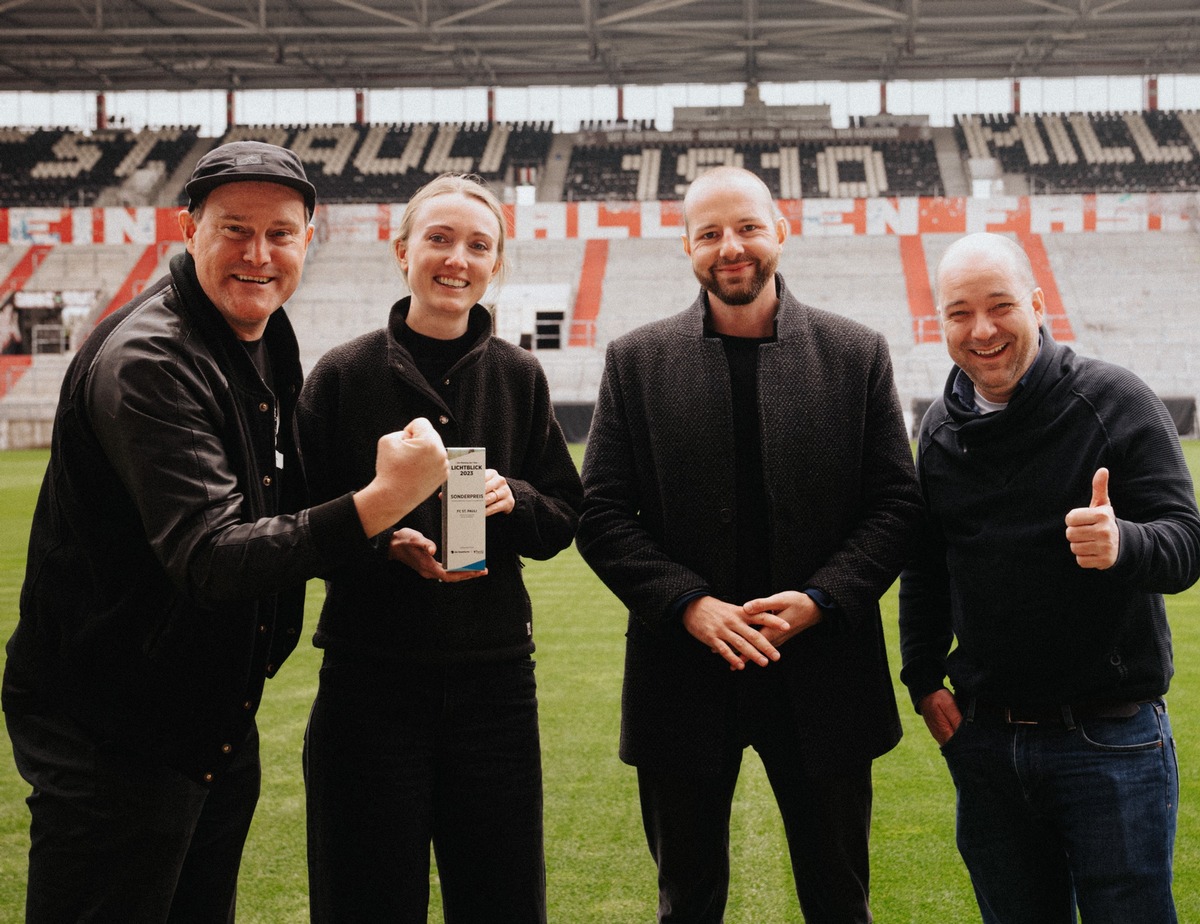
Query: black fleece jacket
(497, 397)
(994, 571)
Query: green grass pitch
(597, 865)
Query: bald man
(749, 496)
(1059, 510)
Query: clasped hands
(753, 631)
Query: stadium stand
(29, 385)
(1152, 151)
(389, 162)
(10, 255)
(542, 292)
(1089, 152)
(1127, 297)
(644, 280)
(606, 173)
(864, 281)
(347, 290)
(576, 280)
(1144, 322)
(349, 287)
(793, 169)
(61, 167)
(17, 265)
(101, 268)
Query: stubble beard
(741, 293)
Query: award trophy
(464, 536)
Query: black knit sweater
(994, 570)
(495, 396)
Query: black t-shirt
(753, 510)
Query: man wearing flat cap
(167, 560)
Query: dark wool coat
(498, 398)
(660, 519)
(993, 570)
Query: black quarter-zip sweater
(994, 571)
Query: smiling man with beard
(749, 495)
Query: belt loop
(1068, 718)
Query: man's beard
(740, 293)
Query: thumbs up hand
(1100, 489)
(1092, 531)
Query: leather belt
(1050, 715)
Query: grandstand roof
(258, 44)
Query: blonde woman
(424, 728)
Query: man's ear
(1038, 298)
(187, 224)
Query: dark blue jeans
(115, 838)
(397, 757)
(1054, 820)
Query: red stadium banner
(1054, 214)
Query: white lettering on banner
(541, 220)
(1048, 214)
(38, 226)
(128, 226)
(1120, 212)
(993, 214)
(1178, 215)
(591, 224)
(827, 217)
(657, 222)
(893, 216)
(361, 223)
(1067, 213)
(83, 226)
(396, 213)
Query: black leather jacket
(169, 546)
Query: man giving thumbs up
(1092, 530)
(1053, 726)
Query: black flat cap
(243, 161)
